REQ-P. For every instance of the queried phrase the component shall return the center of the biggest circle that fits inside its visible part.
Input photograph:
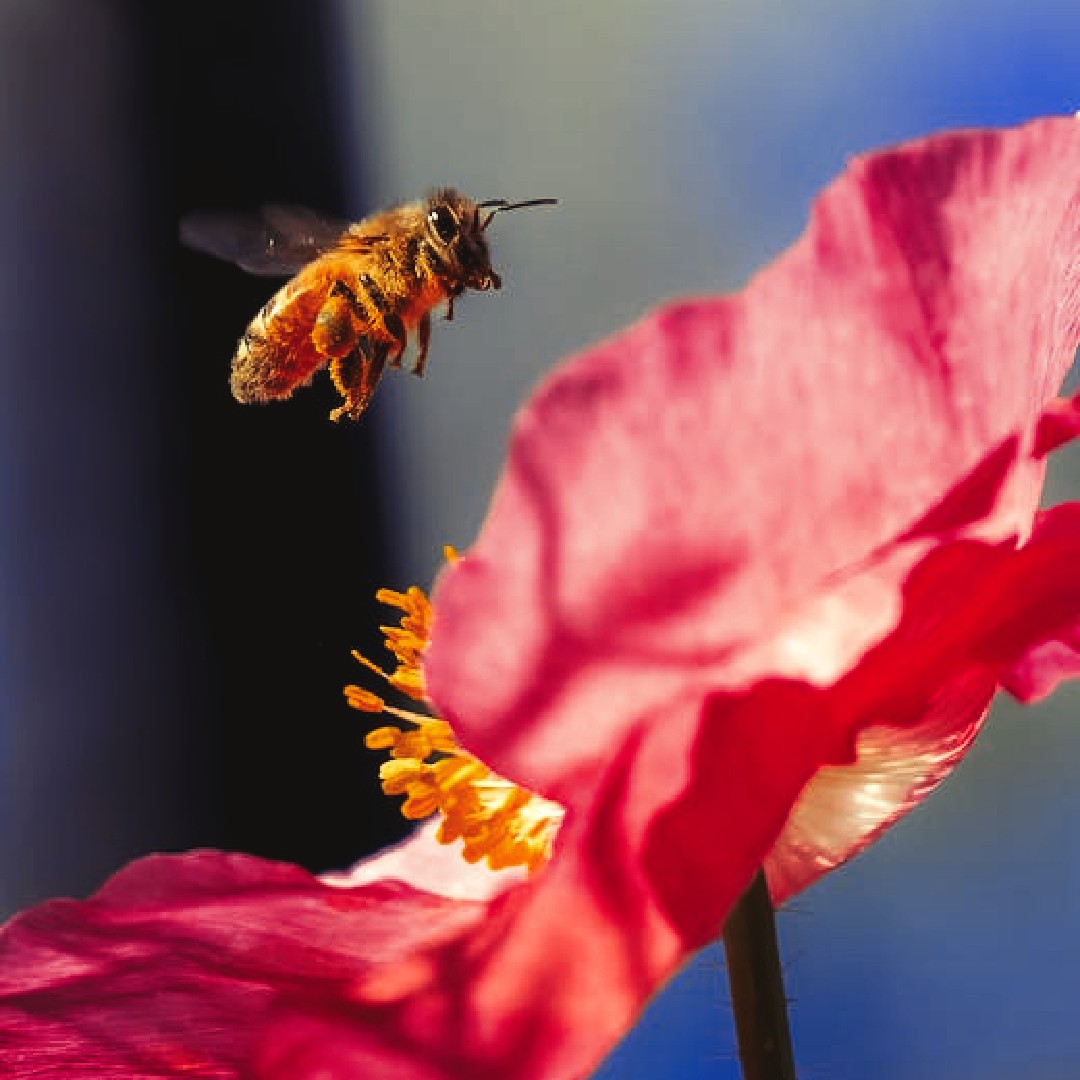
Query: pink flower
(754, 571)
(737, 489)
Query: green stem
(757, 987)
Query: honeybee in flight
(358, 290)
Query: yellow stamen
(495, 819)
(364, 700)
(408, 682)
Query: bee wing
(277, 242)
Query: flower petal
(170, 968)
(845, 808)
(933, 679)
(736, 489)
(1057, 656)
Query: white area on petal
(824, 639)
(421, 861)
(831, 630)
(845, 808)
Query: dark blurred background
(182, 577)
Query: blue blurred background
(181, 578)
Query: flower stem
(758, 1000)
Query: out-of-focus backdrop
(181, 578)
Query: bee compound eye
(442, 221)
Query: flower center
(495, 819)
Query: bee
(357, 293)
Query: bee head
(455, 228)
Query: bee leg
(356, 377)
(452, 293)
(337, 323)
(423, 340)
(392, 326)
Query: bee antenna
(501, 205)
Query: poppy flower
(752, 575)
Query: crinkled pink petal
(845, 808)
(170, 969)
(1041, 670)
(735, 489)
(1059, 423)
(931, 681)
(1057, 657)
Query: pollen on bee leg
(336, 328)
(497, 821)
